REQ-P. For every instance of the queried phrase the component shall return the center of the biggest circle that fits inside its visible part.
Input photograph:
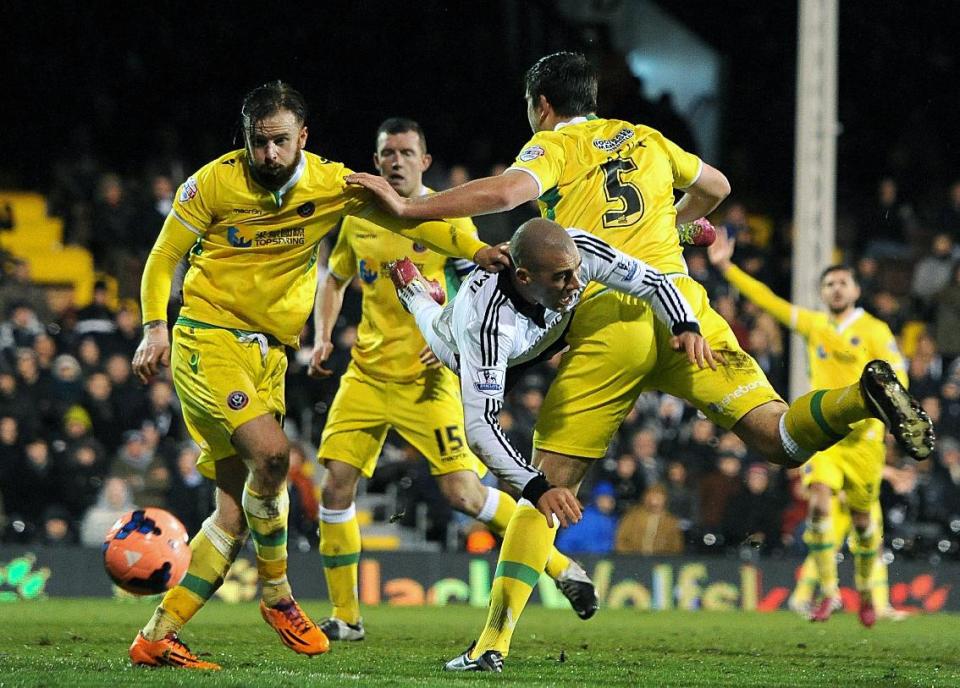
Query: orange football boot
(295, 628)
(168, 651)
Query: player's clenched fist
(560, 502)
(153, 351)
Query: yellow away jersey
(838, 351)
(616, 180)
(388, 340)
(254, 264)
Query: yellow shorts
(854, 465)
(426, 412)
(222, 383)
(619, 349)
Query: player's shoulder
(324, 167)
(875, 325)
(228, 168)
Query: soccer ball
(146, 551)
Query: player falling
(394, 382)
(616, 180)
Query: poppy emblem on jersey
(237, 400)
(489, 381)
(307, 209)
(188, 190)
(419, 248)
(855, 341)
(531, 153)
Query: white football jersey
(489, 331)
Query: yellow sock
(807, 581)
(212, 552)
(864, 548)
(819, 539)
(340, 549)
(821, 418)
(497, 511)
(879, 585)
(526, 546)
(267, 519)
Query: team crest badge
(188, 190)
(531, 153)
(237, 400)
(419, 248)
(307, 209)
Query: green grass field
(84, 643)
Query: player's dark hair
(268, 99)
(567, 81)
(401, 125)
(839, 267)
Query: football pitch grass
(84, 643)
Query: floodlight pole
(814, 198)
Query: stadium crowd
(81, 441)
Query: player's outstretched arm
(720, 254)
(478, 197)
(154, 349)
(326, 310)
(703, 196)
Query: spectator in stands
(12, 400)
(649, 528)
(150, 220)
(887, 226)
(899, 497)
(681, 499)
(950, 406)
(89, 355)
(925, 368)
(80, 477)
(699, 451)
(931, 275)
(145, 473)
(717, 489)
(103, 413)
(794, 515)
(868, 276)
(942, 496)
(128, 396)
(163, 410)
(887, 307)
(67, 383)
(191, 496)
(57, 527)
(18, 288)
(947, 318)
(595, 532)
(649, 464)
(36, 389)
(46, 350)
(771, 362)
(735, 221)
(627, 481)
(19, 329)
(754, 514)
(35, 484)
(128, 333)
(113, 502)
(113, 225)
(96, 319)
(670, 425)
(11, 453)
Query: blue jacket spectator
(595, 532)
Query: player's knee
(463, 494)
(272, 465)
